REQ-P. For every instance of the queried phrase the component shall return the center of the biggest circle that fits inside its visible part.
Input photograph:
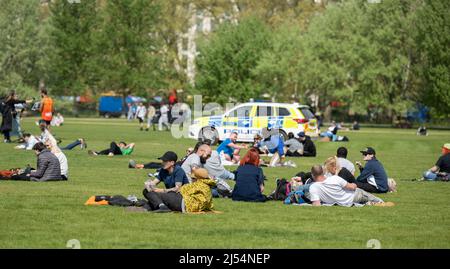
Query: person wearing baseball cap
(441, 170)
(173, 176)
(373, 177)
(309, 149)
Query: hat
(200, 173)
(169, 156)
(301, 134)
(368, 150)
(446, 146)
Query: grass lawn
(47, 215)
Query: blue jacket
(375, 168)
(275, 144)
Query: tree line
(383, 55)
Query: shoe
(132, 164)
(162, 209)
(92, 153)
(83, 144)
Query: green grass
(47, 215)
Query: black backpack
(282, 191)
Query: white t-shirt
(331, 191)
(63, 163)
(164, 111)
(141, 112)
(347, 164)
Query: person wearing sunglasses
(373, 177)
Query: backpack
(282, 190)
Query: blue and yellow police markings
(275, 122)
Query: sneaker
(132, 164)
(92, 153)
(162, 209)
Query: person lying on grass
(30, 140)
(173, 177)
(334, 190)
(115, 149)
(48, 167)
(441, 170)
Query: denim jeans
(72, 145)
(226, 175)
(428, 175)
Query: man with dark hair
(373, 177)
(309, 149)
(341, 155)
(173, 176)
(30, 141)
(48, 167)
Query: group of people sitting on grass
(332, 183)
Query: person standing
(141, 112)
(164, 119)
(7, 110)
(151, 112)
(46, 108)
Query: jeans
(226, 175)
(72, 145)
(362, 197)
(428, 175)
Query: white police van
(248, 119)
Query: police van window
(283, 112)
(244, 111)
(263, 111)
(307, 113)
(240, 112)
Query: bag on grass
(282, 190)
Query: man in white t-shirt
(141, 112)
(342, 160)
(335, 190)
(164, 119)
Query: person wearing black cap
(173, 176)
(373, 177)
(309, 149)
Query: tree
(433, 39)
(23, 46)
(227, 59)
(73, 34)
(129, 49)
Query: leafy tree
(23, 46)
(433, 38)
(227, 59)
(129, 48)
(73, 33)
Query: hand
(358, 164)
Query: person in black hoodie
(7, 110)
(309, 149)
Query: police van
(248, 119)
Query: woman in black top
(7, 109)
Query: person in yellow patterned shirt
(197, 196)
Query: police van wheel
(285, 136)
(209, 133)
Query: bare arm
(236, 146)
(434, 169)
(261, 187)
(351, 186)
